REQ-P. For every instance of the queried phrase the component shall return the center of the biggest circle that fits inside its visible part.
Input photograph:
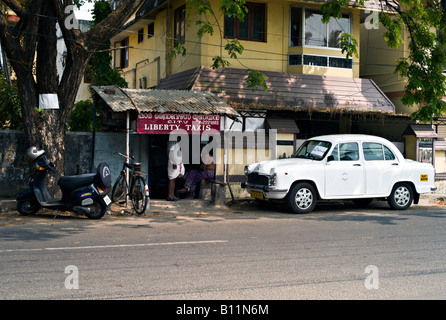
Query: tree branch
(32, 27)
(70, 35)
(106, 29)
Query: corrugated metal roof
(284, 89)
(420, 131)
(283, 125)
(161, 101)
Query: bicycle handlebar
(125, 156)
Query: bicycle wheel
(138, 195)
(118, 192)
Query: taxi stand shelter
(164, 111)
(420, 142)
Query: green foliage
(103, 73)
(206, 27)
(393, 27)
(178, 49)
(234, 48)
(82, 117)
(10, 111)
(425, 22)
(349, 45)
(234, 8)
(100, 11)
(219, 62)
(256, 79)
(229, 8)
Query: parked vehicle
(82, 194)
(137, 190)
(356, 167)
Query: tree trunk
(31, 45)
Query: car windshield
(313, 149)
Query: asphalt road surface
(337, 252)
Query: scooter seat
(72, 182)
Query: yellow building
(279, 36)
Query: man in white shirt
(175, 167)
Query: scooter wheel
(27, 207)
(97, 211)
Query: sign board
(425, 150)
(165, 123)
(48, 101)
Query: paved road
(337, 252)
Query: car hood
(264, 168)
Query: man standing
(175, 167)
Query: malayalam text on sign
(165, 123)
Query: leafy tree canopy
(102, 73)
(425, 22)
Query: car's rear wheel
(302, 198)
(401, 196)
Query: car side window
(348, 151)
(388, 155)
(376, 151)
(372, 151)
(335, 153)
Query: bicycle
(138, 192)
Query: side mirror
(330, 158)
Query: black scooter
(82, 194)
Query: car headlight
(272, 179)
(246, 170)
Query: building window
(320, 61)
(295, 59)
(341, 63)
(252, 27)
(307, 29)
(140, 35)
(151, 30)
(124, 53)
(180, 25)
(296, 27)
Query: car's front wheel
(401, 196)
(302, 198)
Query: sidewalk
(163, 208)
(432, 199)
(197, 208)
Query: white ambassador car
(355, 167)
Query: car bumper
(265, 192)
(425, 189)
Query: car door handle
(356, 165)
(395, 164)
